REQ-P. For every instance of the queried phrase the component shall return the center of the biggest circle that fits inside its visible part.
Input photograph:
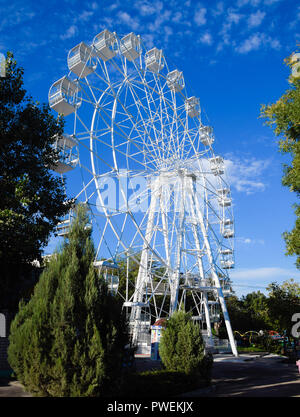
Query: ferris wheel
(143, 162)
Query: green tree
(182, 348)
(255, 305)
(32, 198)
(283, 302)
(284, 117)
(69, 339)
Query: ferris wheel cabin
(80, 60)
(63, 96)
(228, 233)
(105, 44)
(192, 106)
(227, 252)
(217, 165)
(206, 135)
(224, 200)
(110, 273)
(68, 157)
(175, 80)
(131, 46)
(227, 264)
(154, 60)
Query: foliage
(160, 384)
(249, 312)
(32, 198)
(69, 339)
(257, 311)
(284, 117)
(283, 302)
(182, 348)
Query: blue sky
(231, 53)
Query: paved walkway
(10, 388)
(252, 376)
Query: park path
(252, 376)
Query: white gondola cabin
(175, 80)
(226, 252)
(224, 202)
(206, 135)
(217, 165)
(214, 311)
(131, 46)
(223, 192)
(154, 60)
(81, 60)
(110, 271)
(105, 44)
(66, 146)
(226, 288)
(192, 106)
(63, 96)
(62, 228)
(227, 264)
(228, 233)
(227, 222)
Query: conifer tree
(182, 348)
(69, 339)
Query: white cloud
(253, 3)
(132, 23)
(233, 17)
(246, 280)
(257, 41)
(249, 241)
(270, 273)
(255, 19)
(245, 175)
(219, 9)
(200, 16)
(270, 2)
(70, 33)
(94, 5)
(85, 16)
(206, 38)
(159, 22)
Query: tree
(283, 302)
(32, 198)
(69, 339)
(182, 348)
(284, 117)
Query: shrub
(182, 348)
(69, 339)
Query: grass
(250, 349)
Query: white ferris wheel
(144, 164)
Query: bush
(160, 384)
(182, 348)
(69, 339)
